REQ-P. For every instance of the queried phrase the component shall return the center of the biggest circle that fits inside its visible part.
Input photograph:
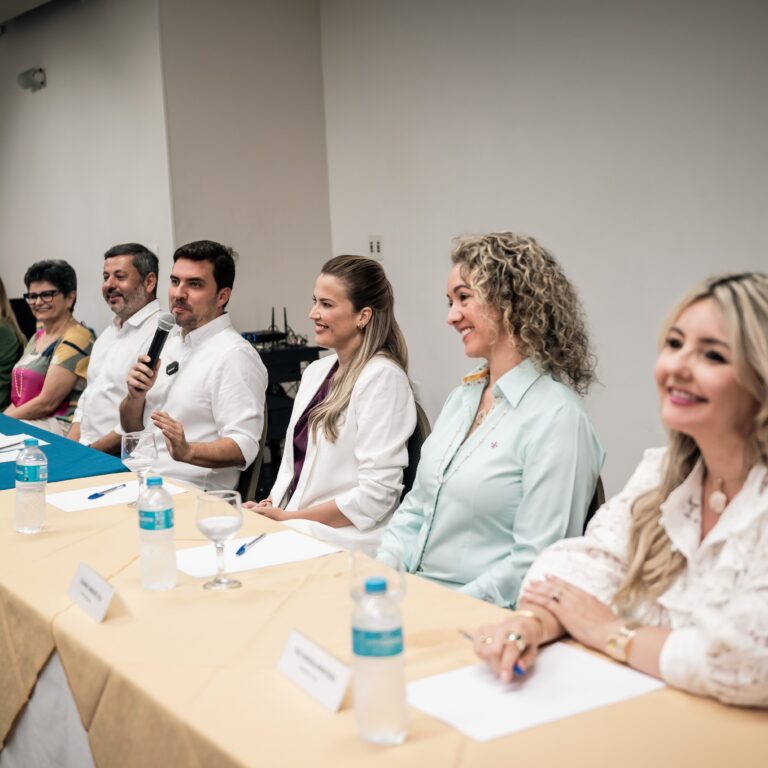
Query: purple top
(301, 430)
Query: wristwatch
(618, 644)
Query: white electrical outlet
(376, 247)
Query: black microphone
(165, 322)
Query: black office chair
(249, 477)
(420, 434)
(598, 499)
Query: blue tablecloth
(66, 458)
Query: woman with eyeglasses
(46, 383)
(12, 343)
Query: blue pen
(518, 670)
(99, 494)
(248, 544)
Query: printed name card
(91, 592)
(321, 675)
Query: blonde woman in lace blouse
(672, 574)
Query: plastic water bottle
(378, 665)
(157, 551)
(31, 480)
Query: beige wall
(246, 131)
(83, 162)
(629, 138)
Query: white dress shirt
(218, 390)
(717, 606)
(112, 356)
(363, 470)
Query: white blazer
(363, 470)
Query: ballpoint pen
(248, 544)
(99, 494)
(519, 671)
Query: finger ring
(557, 595)
(516, 639)
(485, 640)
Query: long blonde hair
(7, 315)
(539, 306)
(743, 303)
(366, 286)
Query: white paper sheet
(78, 501)
(273, 549)
(564, 682)
(7, 455)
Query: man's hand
(173, 432)
(141, 377)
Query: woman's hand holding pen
(510, 648)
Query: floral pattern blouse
(717, 607)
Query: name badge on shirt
(171, 368)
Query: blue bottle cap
(375, 585)
(154, 480)
(30, 441)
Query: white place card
(91, 592)
(321, 675)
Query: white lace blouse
(717, 608)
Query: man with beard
(129, 285)
(205, 397)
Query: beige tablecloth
(188, 677)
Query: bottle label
(159, 520)
(31, 473)
(371, 643)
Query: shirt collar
(681, 511)
(512, 385)
(138, 317)
(199, 335)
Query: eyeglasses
(45, 296)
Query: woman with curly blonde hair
(671, 576)
(513, 460)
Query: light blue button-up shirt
(481, 509)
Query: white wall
(83, 162)
(629, 138)
(246, 131)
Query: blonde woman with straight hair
(341, 474)
(12, 343)
(672, 574)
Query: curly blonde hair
(743, 303)
(539, 307)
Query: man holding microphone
(206, 396)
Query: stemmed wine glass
(138, 452)
(219, 518)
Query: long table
(66, 458)
(188, 677)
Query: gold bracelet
(531, 615)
